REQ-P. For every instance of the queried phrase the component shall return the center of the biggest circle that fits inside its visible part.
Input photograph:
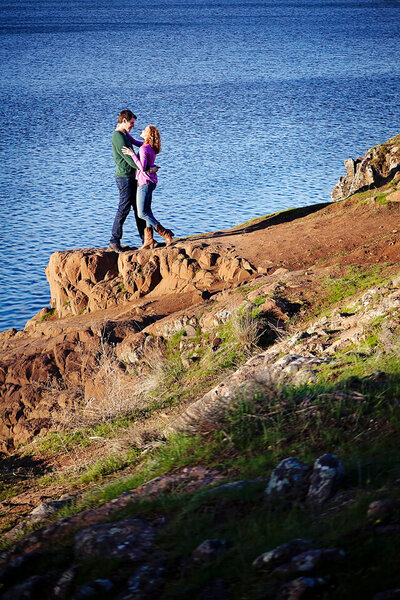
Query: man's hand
(126, 150)
(154, 169)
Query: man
(125, 178)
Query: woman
(147, 183)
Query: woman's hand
(126, 150)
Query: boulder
(64, 584)
(46, 510)
(282, 554)
(130, 539)
(93, 589)
(146, 582)
(309, 561)
(289, 481)
(301, 587)
(30, 589)
(94, 279)
(381, 511)
(393, 594)
(325, 478)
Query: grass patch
(50, 313)
(356, 280)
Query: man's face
(129, 124)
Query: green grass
(381, 198)
(55, 442)
(48, 315)
(347, 412)
(355, 281)
(111, 464)
(259, 300)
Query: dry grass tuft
(245, 331)
(113, 391)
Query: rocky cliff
(379, 166)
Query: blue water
(258, 102)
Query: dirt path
(348, 232)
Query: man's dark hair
(126, 114)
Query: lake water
(258, 102)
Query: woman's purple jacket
(146, 160)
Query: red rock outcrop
(92, 279)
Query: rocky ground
(143, 347)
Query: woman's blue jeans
(127, 200)
(143, 198)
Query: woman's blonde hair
(153, 138)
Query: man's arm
(129, 152)
(118, 142)
(140, 163)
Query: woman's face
(144, 133)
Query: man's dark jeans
(127, 199)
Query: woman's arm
(142, 161)
(135, 142)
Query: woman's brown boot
(167, 234)
(148, 241)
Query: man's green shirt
(125, 167)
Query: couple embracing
(136, 178)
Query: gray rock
(190, 331)
(325, 479)
(63, 586)
(289, 480)
(209, 550)
(360, 174)
(282, 553)
(223, 315)
(378, 165)
(47, 509)
(310, 560)
(240, 484)
(297, 368)
(287, 360)
(300, 588)
(14, 571)
(145, 583)
(130, 539)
